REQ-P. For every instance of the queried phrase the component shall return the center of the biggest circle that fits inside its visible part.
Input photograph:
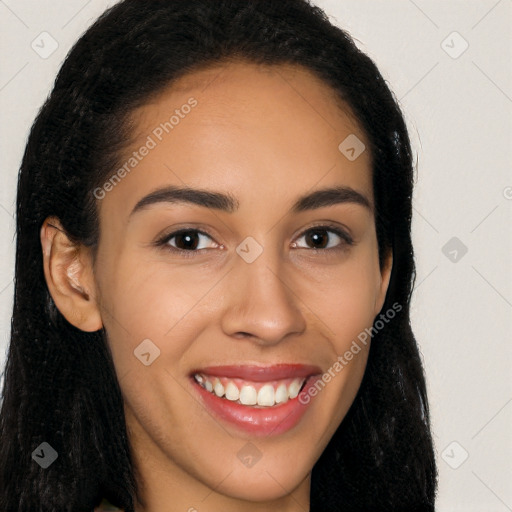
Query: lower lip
(258, 421)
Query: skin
(266, 136)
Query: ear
(69, 276)
(385, 276)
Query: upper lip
(260, 373)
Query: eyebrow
(228, 203)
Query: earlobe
(69, 277)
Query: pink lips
(261, 373)
(259, 421)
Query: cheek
(345, 303)
(347, 298)
(150, 302)
(347, 308)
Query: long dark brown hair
(60, 385)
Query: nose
(260, 304)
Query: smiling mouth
(244, 392)
(258, 400)
(255, 386)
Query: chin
(261, 485)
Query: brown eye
(187, 240)
(318, 238)
(324, 237)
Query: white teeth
(232, 392)
(248, 395)
(294, 388)
(281, 394)
(218, 388)
(267, 396)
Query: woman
(213, 274)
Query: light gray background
(458, 108)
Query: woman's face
(268, 290)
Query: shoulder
(106, 506)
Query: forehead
(238, 90)
(257, 131)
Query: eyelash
(163, 242)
